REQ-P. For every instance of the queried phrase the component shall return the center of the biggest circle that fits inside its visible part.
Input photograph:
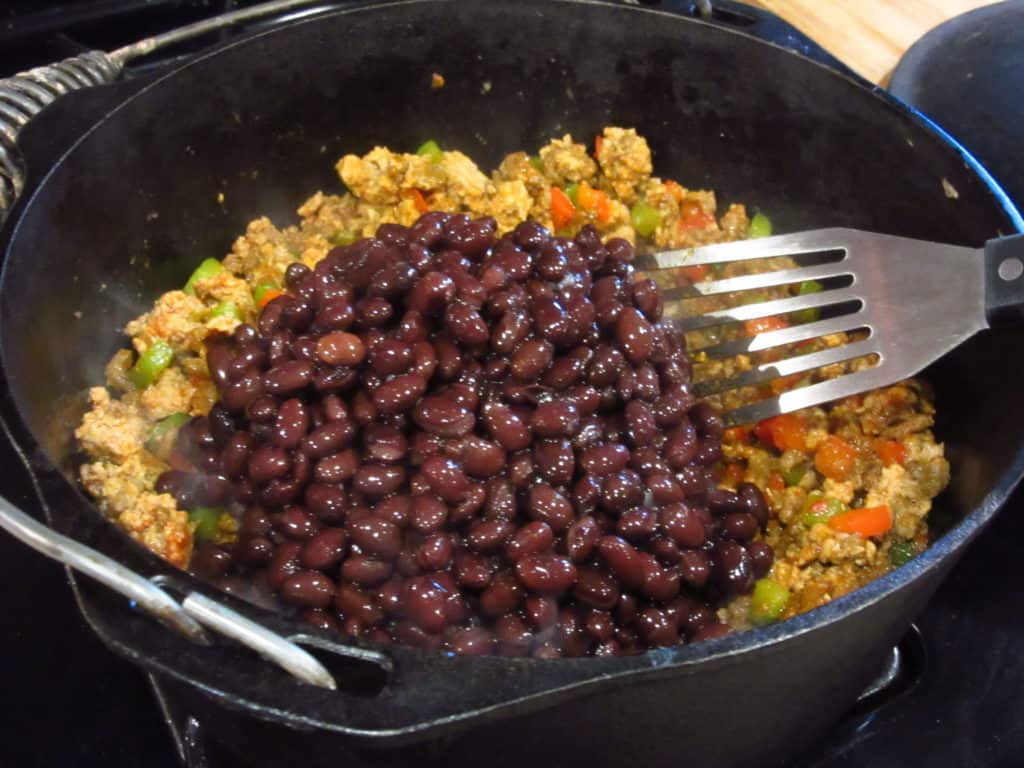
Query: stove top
(953, 699)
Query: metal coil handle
(26, 94)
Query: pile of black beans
(478, 444)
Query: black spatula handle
(1004, 281)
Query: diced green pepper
(207, 521)
(261, 290)
(343, 237)
(794, 475)
(226, 309)
(768, 601)
(820, 508)
(760, 226)
(902, 552)
(645, 218)
(151, 364)
(537, 163)
(808, 315)
(165, 427)
(430, 149)
(573, 193)
(208, 268)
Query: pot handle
(189, 617)
(25, 95)
(758, 23)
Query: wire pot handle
(25, 95)
(188, 617)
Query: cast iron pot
(131, 208)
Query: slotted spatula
(911, 300)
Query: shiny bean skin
(376, 481)
(336, 468)
(547, 505)
(283, 564)
(732, 568)
(268, 463)
(325, 550)
(546, 573)
(309, 589)
(582, 538)
(400, 393)
(328, 502)
(366, 570)
(681, 524)
(507, 428)
(604, 459)
(755, 502)
(503, 595)
(427, 514)
(531, 358)
(424, 603)
(446, 478)
(622, 559)
(375, 536)
(621, 491)
(554, 460)
(489, 535)
(234, 456)
(596, 588)
(466, 325)
(292, 424)
(761, 558)
(444, 416)
(390, 357)
(471, 570)
(481, 458)
(288, 377)
(384, 443)
(740, 526)
(351, 602)
(637, 524)
(297, 524)
(530, 539)
(556, 418)
(327, 439)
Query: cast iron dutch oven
(132, 207)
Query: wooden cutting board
(870, 36)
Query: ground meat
(176, 318)
(625, 161)
(111, 429)
(172, 393)
(566, 162)
(261, 254)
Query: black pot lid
(968, 76)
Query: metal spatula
(910, 302)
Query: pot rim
(44, 470)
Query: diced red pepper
(786, 432)
(835, 458)
(891, 452)
(417, 199)
(598, 144)
(764, 325)
(562, 209)
(867, 521)
(776, 482)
